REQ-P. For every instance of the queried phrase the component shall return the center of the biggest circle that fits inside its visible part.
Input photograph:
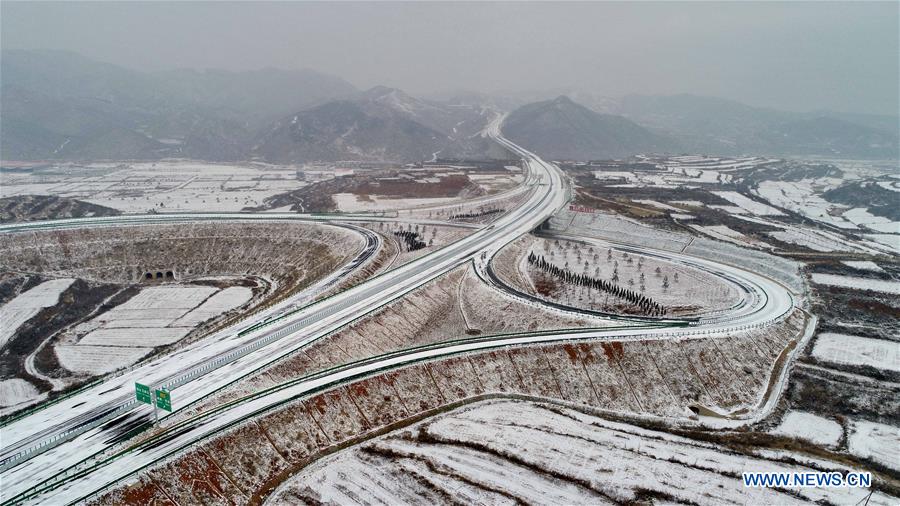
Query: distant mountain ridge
(695, 124)
(563, 129)
(258, 95)
(345, 130)
(721, 126)
(60, 105)
(378, 124)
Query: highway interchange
(199, 370)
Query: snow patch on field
(810, 427)
(723, 233)
(876, 441)
(169, 186)
(817, 240)
(892, 287)
(658, 205)
(890, 240)
(352, 203)
(81, 358)
(864, 265)
(750, 205)
(219, 303)
(804, 197)
(166, 297)
(862, 217)
(19, 310)
(856, 350)
(16, 391)
(135, 336)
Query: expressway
(116, 394)
(177, 437)
(215, 364)
(86, 422)
(14, 441)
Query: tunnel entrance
(168, 275)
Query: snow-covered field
(876, 441)
(219, 303)
(16, 391)
(19, 310)
(618, 229)
(674, 172)
(803, 197)
(157, 316)
(703, 162)
(863, 265)
(813, 239)
(134, 336)
(816, 239)
(752, 206)
(862, 217)
(165, 186)
(93, 360)
(891, 287)
(352, 203)
(659, 205)
(810, 427)
(493, 183)
(856, 350)
(892, 241)
(498, 452)
(723, 233)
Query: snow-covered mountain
(378, 124)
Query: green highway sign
(142, 392)
(163, 400)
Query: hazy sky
(797, 56)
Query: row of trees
(411, 239)
(470, 215)
(646, 304)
